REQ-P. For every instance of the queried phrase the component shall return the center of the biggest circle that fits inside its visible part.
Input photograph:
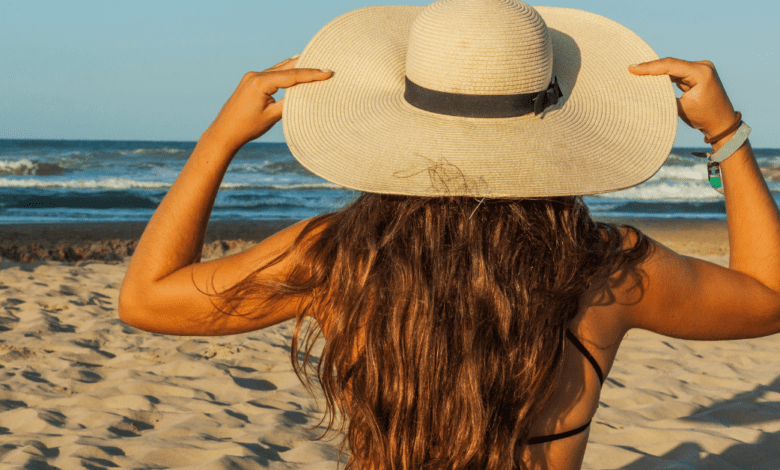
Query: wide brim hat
(411, 106)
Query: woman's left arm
(166, 289)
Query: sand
(80, 389)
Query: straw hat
(485, 98)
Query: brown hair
(444, 320)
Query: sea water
(54, 181)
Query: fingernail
(634, 65)
(327, 71)
(295, 56)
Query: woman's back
(449, 310)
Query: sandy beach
(80, 389)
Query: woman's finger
(668, 66)
(683, 73)
(273, 81)
(287, 64)
(284, 64)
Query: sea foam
(124, 183)
(28, 167)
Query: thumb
(275, 109)
(681, 113)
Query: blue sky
(160, 70)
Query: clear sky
(160, 70)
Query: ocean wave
(122, 184)
(270, 168)
(139, 151)
(767, 156)
(681, 173)
(681, 157)
(283, 187)
(99, 154)
(662, 190)
(771, 173)
(29, 167)
(105, 184)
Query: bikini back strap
(585, 353)
(560, 435)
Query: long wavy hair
(443, 318)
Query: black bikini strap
(592, 360)
(560, 435)
(585, 353)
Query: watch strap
(732, 145)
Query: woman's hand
(689, 298)
(704, 104)
(252, 110)
(166, 288)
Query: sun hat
(484, 98)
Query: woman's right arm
(690, 298)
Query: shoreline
(115, 241)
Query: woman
(470, 306)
